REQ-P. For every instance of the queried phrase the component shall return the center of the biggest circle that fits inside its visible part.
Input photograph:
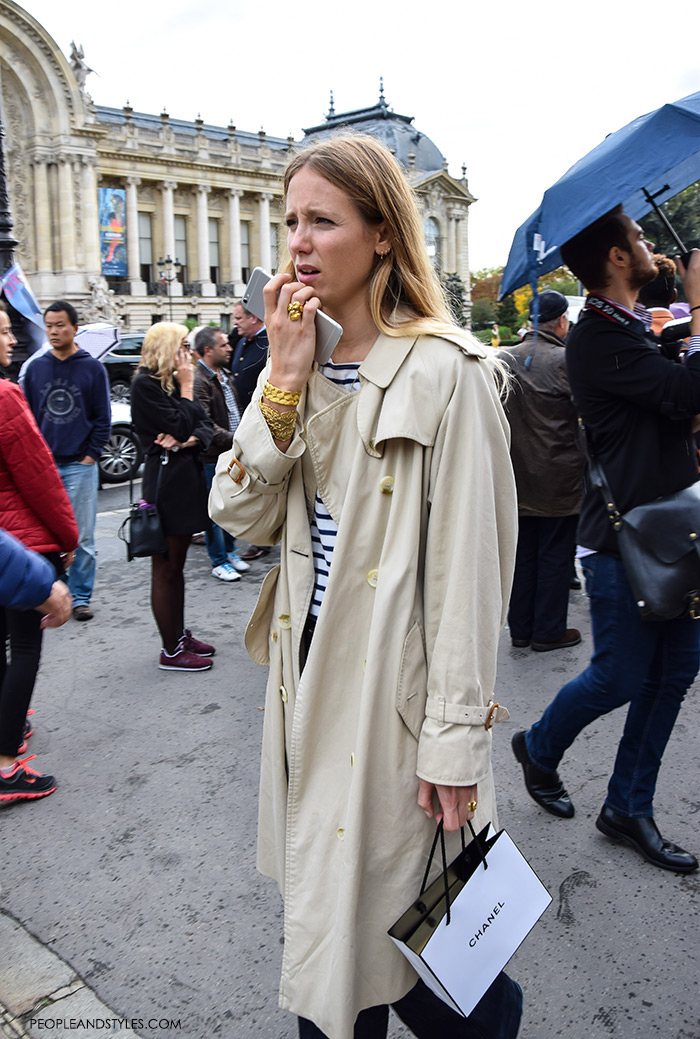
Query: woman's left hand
(167, 442)
(453, 803)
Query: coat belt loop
(441, 710)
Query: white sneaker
(225, 572)
(237, 563)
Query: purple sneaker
(202, 649)
(183, 659)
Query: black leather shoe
(645, 838)
(546, 788)
(571, 637)
(520, 643)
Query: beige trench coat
(415, 470)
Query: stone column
(264, 218)
(132, 230)
(234, 234)
(91, 221)
(167, 189)
(452, 243)
(42, 215)
(66, 212)
(202, 233)
(208, 287)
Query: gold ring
(471, 806)
(295, 309)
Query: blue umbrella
(645, 163)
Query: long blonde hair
(160, 347)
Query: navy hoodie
(70, 402)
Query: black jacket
(181, 496)
(248, 361)
(637, 407)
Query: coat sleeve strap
(445, 713)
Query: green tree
(683, 210)
(508, 312)
(484, 312)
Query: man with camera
(638, 409)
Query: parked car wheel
(122, 455)
(120, 391)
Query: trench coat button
(364, 666)
(352, 760)
(284, 694)
(340, 833)
(273, 636)
(372, 578)
(386, 485)
(285, 621)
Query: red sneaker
(26, 733)
(183, 659)
(25, 783)
(202, 649)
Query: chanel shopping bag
(462, 930)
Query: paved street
(139, 871)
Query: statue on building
(81, 69)
(99, 305)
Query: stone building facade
(208, 197)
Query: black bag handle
(440, 835)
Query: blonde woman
(386, 477)
(176, 428)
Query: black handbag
(658, 544)
(142, 530)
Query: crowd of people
(421, 488)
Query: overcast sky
(515, 93)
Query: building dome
(410, 147)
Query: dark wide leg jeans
(647, 664)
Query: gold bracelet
(281, 396)
(280, 423)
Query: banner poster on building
(113, 232)
(19, 295)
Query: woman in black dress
(174, 424)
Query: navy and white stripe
(323, 527)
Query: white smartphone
(328, 331)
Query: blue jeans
(219, 542)
(648, 664)
(80, 482)
(496, 1015)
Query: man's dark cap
(552, 306)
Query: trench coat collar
(385, 358)
(378, 422)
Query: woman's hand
(292, 343)
(453, 803)
(67, 558)
(168, 442)
(184, 372)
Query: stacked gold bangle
(281, 396)
(280, 423)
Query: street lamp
(169, 270)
